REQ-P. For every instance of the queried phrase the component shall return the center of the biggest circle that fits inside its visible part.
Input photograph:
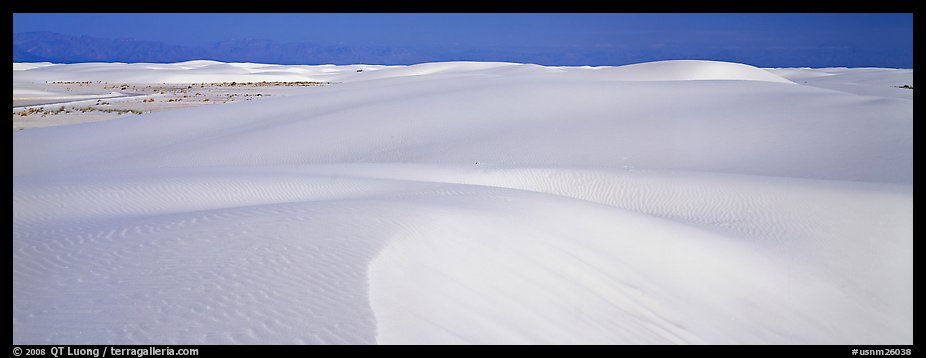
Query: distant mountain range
(59, 48)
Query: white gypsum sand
(667, 202)
(72, 102)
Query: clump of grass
(33, 110)
(120, 111)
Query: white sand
(672, 202)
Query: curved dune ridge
(689, 202)
(30, 65)
(688, 70)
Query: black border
(712, 350)
(477, 6)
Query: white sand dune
(877, 82)
(41, 97)
(691, 70)
(29, 65)
(669, 202)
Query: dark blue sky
(769, 40)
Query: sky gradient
(767, 40)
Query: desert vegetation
(65, 110)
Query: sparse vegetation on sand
(267, 84)
(149, 98)
(62, 109)
(29, 111)
(72, 83)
